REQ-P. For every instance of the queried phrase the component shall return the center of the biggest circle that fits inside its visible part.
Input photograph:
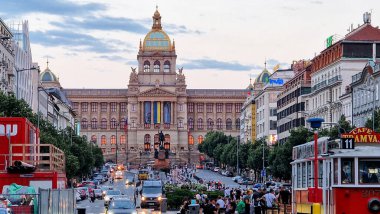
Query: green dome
(48, 76)
(263, 77)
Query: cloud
(55, 7)
(113, 58)
(104, 23)
(180, 29)
(218, 65)
(316, 2)
(74, 41)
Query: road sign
(263, 173)
(347, 143)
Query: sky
(219, 43)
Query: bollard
(316, 208)
(81, 210)
(164, 205)
(194, 209)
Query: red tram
(348, 172)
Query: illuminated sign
(362, 135)
(276, 81)
(8, 130)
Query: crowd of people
(236, 200)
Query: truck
(152, 192)
(21, 148)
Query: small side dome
(48, 76)
(263, 77)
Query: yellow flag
(275, 68)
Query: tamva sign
(362, 135)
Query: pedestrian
(284, 195)
(270, 199)
(240, 207)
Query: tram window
(320, 172)
(309, 180)
(303, 175)
(299, 175)
(348, 167)
(369, 171)
(336, 171)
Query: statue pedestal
(161, 162)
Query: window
(200, 139)
(113, 139)
(113, 107)
(229, 124)
(299, 177)
(93, 138)
(122, 139)
(84, 123)
(84, 107)
(228, 107)
(166, 66)
(210, 123)
(123, 107)
(146, 66)
(200, 107)
(348, 171)
(200, 123)
(180, 107)
(94, 123)
(219, 107)
(304, 175)
(209, 107)
(156, 67)
(237, 124)
(113, 123)
(147, 138)
(273, 112)
(190, 107)
(122, 123)
(103, 140)
(191, 140)
(273, 125)
(103, 123)
(238, 107)
(75, 106)
(368, 171)
(103, 107)
(219, 123)
(191, 123)
(94, 107)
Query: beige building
(157, 99)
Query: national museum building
(156, 100)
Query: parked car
(121, 204)
(246, 182)
(216, 169)
(236, 178)
(98, 193)
(199, 166)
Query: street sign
(263, 173)
(347, 143)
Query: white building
(7, 72)
(266, 101)
(26, 74)
(247, 118)
(333, 67)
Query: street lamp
(5, 37)
(18, 71)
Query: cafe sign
(362, 135)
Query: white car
(216, 169)
(118, 175)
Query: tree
(344, 127)
(369, 123)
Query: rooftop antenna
(265, 63)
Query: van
(151, 193)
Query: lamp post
(237, 155)
(117, 125)
(17, 73)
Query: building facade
(7, 71)
(291, 101)
(333, 68)
(157, 99)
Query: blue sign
(276, 81)
(263, 173)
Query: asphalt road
(208, 175)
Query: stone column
(174, 119)
(171, 113)
(151, 112)
(162, 112)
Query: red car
(199, 166)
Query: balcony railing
(146, 126)
(319, 85)
(335, 79)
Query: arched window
(219, 123)
(113, 139)
(191, 123)
(146, 66)
(167, 141)
(93, 139)
(113, 123)
(200, 139)
(191, 140)
(200, 123)
(122, 139)
(147, 138)
(229, 124)
(122, 123)
(210, 124)
(156, 67)
(167, 66)
(84, 123)
(103, 123)
(94, 123)
(103, 140)
(237, 124)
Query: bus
(348, 175)
(143, 174)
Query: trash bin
(81, 210)
(164, 204)
(194, 209)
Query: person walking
(241, 207)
